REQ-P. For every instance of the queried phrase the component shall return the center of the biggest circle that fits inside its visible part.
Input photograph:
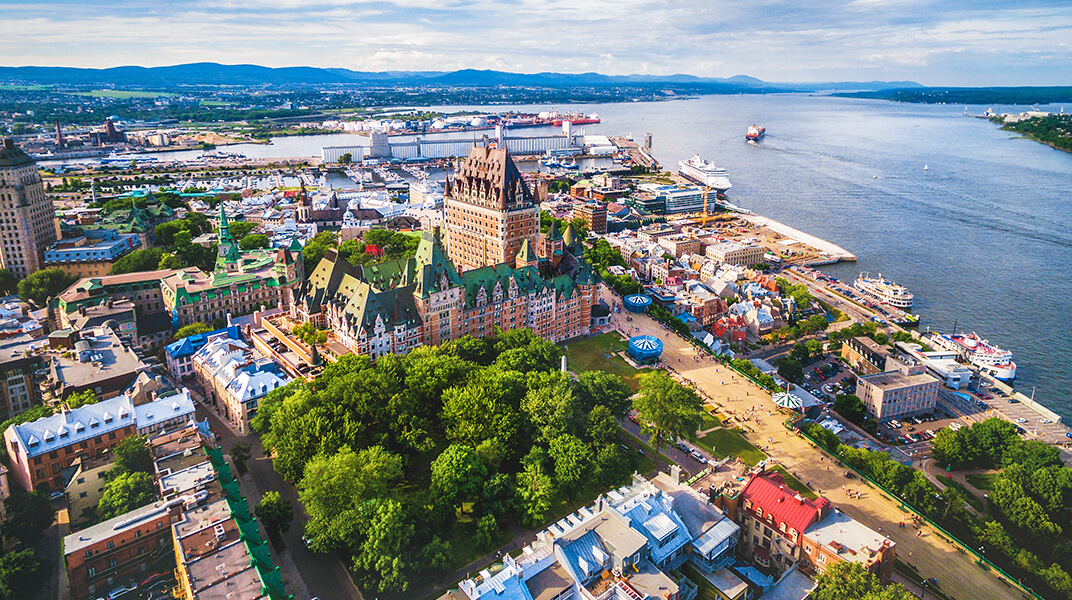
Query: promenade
(932, 556)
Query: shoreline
(835, 253)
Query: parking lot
(827, 378)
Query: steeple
(225, 228)
(526, 257)
(569, 237)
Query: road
(732, 395)
(309, 575)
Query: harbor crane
(705, 191)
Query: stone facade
(27, 218)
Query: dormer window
(49, 436)
(79, 428)
(108, 417)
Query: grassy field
(597, 353)
(795, 484)
(728, 442)
(982, 481)
(710, 421)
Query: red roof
(767, 491)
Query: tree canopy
(41, 285)
(124, 493)
(146, 259)
(844, 580)
(192, 329)
(667, 409)
(132, 455)
(275, 512)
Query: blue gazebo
(637, 303)
(645, 349)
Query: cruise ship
(887, 291)
(755, 133)
(704, 173)
(978, 352)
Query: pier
(832, 253)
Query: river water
(982, 237)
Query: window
(89, 553)
(111, 544)
(822, 557)
(92, 571)
(137, 534)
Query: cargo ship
(990, 359)
(576, 119)
(885, 290)
(704, 173)
(755, 133)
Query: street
(309, 575)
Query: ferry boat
(885, 290)
(990, 359)
(755, 133)
(704, 173)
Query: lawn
(795, 484)
(464, 550)
(597, 353)
(728, 442)
(710, 421)
(982, 481)
(975, 501)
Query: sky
(933, 42)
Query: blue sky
(953, 42)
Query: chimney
(82, 310)
(675, 474)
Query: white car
(1021, 420)
(1046, 421)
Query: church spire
(225, 228)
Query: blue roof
(164, 409)
(585, 556)
(189, 345)
(652, 519)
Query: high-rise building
(489, 211)
(27, 219)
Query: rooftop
(891, 380)
(767, 490)
(225, 574)
(165, 408)
(96, 286)
(848, 538)
(189, 478)
(76, 542)
(70, 427)
(104, 357)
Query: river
(982, 237)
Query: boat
(980, 353)
(576, 119)
(755, 133)
(885, 290)
(704, 173)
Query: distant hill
(1025, 96)
(217, 74)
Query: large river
(983, 236)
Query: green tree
(195, 328)
(550, 405)
(41, 285)
(572, 459)
(486, 531)
(535, 491)
(254, 241)
(124, 493)
(26, 416)
(602, 427)
(668, 410)
(485, 410)
(28, 516)
(850, 407)
(950, 448)
(275, 512)
(458, 475)
(240, 453)
(240, 229)
(436, 554)
(993, 536)
(845, 580)
(498, 495)
(596, 388)
(385, 545)
(9, 284)
(1058, 579)
(336, 491)
(21, 574)
(315, 248)
(132, 455)
(81, 399)
(790, 369)
(309, 333)
(146, 259)
(346, 158)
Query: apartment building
(27, 217)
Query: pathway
(956, 571)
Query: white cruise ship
(704, 173)
(990, 359)
(885, 290)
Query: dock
(831, 253)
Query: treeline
(1055, 130)
(1029, 506)
(601, 256)
(1025, 96)
(407, 463)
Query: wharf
(831, 253)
